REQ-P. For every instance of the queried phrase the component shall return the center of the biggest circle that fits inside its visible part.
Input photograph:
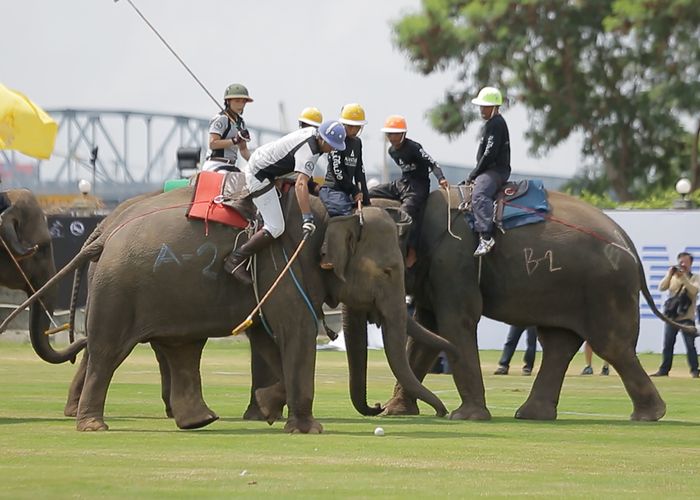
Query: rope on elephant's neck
(26, 279)
(449, 219)
(249, 320)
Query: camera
(675, 269)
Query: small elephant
(159, 279)
(576, 276)
(25, 234)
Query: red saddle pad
(207, 188)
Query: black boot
(235, 262)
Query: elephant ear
(342, 235)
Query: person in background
(228, 136)
(588, 355)
(679, 279)
(311, 117)
(492, 166)
(413, 187)
(345, 183)
(514, 334)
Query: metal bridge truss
(133, 147)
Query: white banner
(658, 235)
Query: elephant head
(27, 264)
(367, 276)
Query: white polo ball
(378, 431)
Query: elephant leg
(76, 387)
(164, 378)
(101, 364)
(648, 405)
(265, 362)
(188, 406)
(558, 348)
(460, 328)
(299, 365)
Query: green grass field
(592, 450)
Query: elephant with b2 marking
(159, 279)
(576, 276)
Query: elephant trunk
(428, 338)
(39, 313)
(394, 335)
(355, 331)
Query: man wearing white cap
(492, 168)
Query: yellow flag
(24, 126)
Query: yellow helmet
(352, 114)
(311, 116)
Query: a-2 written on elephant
(159, 279)
(27, 245)
(576, 275)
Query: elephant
(576, 276)
(27, 245)
(158, 278)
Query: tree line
(624, 74)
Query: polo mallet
(172, 51)
(249, 320)
(359, 211)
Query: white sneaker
(485, 246)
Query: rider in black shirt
(492, 168)
(413, 187)
(345, 182)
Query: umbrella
(24, 126)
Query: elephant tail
(86, 254)
(644, 288)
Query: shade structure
(24, 126)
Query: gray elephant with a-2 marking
(159, 279)
(577, 276)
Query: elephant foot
(271, 401)
(536, 411)
(470, 412)
(307, 425)
(71, 409)
(197, 421)
(649, 414)
(169, 412)
(401, 406)
(91, 424)
(253, 413)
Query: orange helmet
(394, 124)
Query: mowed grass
(592, 450)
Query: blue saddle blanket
(529, 208)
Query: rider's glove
(308, 225)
